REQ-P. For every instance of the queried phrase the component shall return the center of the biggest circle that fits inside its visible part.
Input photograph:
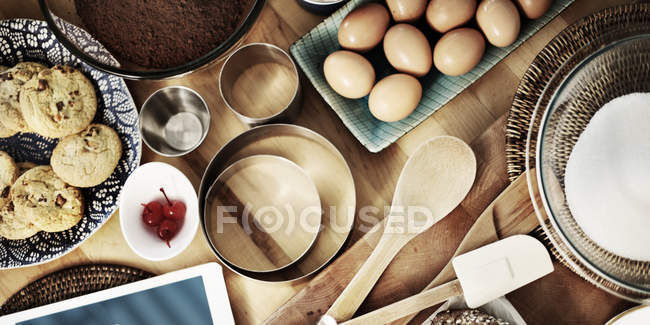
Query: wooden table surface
(560, 298)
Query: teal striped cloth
(311, 50)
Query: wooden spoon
(435, 179)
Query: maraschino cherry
(152, 215)
(165, 218)
(167, 230)
(173, 209)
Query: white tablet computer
(195, 295)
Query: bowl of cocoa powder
(151, 39)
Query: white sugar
(607, 177)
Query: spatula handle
(357, 290)
(513, 213)
(410, 305)
(482, 233)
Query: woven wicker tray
(69, 283)
(568, 48)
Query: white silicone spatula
(433, 182)
(483, 275)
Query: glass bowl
(619, 68)
(60, 15)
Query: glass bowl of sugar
(592, 154)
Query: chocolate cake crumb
(161, 33)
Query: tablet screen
(182, 302)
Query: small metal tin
(268, 211)
(174, 121)
(246, 57)
(323, 163)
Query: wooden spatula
(483, 275)
(435, 179)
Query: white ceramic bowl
(144, 186)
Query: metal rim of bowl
(182, 153)
(541, 185)
(231, 147)
(294, 103)
(239, 33)
(303, 173)
(323, 3)
(625, 313)
(321, 7)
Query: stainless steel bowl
(174, 121)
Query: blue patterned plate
(32, 40)
(311, 50)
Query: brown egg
(406, 10)
(363, 28)
(395, 97)
(499, 20)
(349, 74)
(408, 50)
(445, 15)
(534, 9)
(458, 51)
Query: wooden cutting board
(424, 257)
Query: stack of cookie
(59, 103)
(52, 102)
(33, 198)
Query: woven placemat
(589, 32)
(69, 283)
(559, 56)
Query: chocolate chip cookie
(11, 85)
(4, 131)
(44, 198)
(8, 174)
(14, 226)
(88, 158)
(58, 102)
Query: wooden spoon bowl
(434, 181)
